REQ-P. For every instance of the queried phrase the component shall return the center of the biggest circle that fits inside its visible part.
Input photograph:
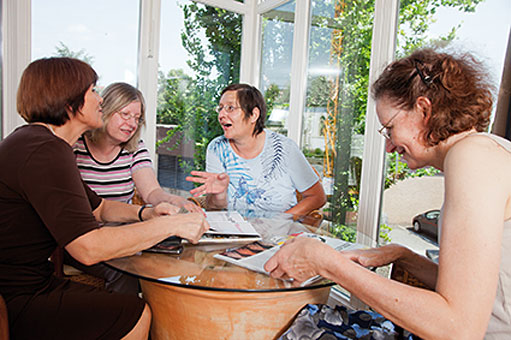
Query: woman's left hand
(298, 259)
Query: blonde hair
(116, 96)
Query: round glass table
(197, 296)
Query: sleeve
(52, 184)
(301, 172)
(141, 158)
(213, 162)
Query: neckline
(266, 136)
(82, 137)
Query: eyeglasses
(127, 116)
(227, 108)
(385, 129)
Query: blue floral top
(267, 182)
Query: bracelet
(141, 210)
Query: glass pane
(199, 55)
(338, 69)
(337, 77)
(409, 195)
(277, 47)
(89, 30)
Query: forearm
(216, 201)
(113, 211)
(111, 242)
(159, 195)
(419, 266)
(313, 198)
(305, 206)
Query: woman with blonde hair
(113, 160)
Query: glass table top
(196, 267)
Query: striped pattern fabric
(112, 180)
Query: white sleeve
(300, 170)
(213, 162)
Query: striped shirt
(112, 180)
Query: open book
(253, 256)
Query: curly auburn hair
(460, 94)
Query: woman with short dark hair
(434, 108)
(251, 168)
(45, 203)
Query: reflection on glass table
(194, 295)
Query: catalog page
(253, 256)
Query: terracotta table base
(187, 313)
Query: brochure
(253, 256)
(228, 227)
(225, 227)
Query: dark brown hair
(51, 87)
(249, 98)
(457, 87)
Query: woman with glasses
(434, 109)
(45, 204)
(113, 162)
(251, 168)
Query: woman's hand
(376, 257)
(160, 209)
(298, 259)
(182, 202)
(190, 226)
(212, 183)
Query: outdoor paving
(416, 242)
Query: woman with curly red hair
(434, 108)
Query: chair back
(4, 321)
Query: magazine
(228, 227)
(253, 256)
(225, 227)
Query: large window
(336, 96)
(200, 50)
(88, 30)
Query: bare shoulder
(480, 150)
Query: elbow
(321, 200)
(84, 249)
(86, 256)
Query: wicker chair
(58, 262)
(4, 321)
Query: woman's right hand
(212, 183)
(190, 226)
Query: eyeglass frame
(127, 116)
(227, 108)
(383, 130)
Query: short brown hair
(116, 96)
(457, 87)
(50, 87)
(249, 98)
